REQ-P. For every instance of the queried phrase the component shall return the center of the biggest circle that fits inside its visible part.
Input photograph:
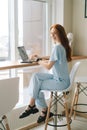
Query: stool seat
(59, 91)
(81, 79)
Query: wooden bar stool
(9, 95)
(81, 88)
(62, 99)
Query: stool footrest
(80, 105)
(60, 125)
(59, 115)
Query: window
(24, 22)
(4, 30)
(33, 25)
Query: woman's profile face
(54, 35)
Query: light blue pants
(44, 81)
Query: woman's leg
(43, 81)
(50, 85)
(35, 87)
(34, 91)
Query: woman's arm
(47, 64)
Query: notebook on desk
(24, 56)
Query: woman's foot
(28, 111)
(43, 115)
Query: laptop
(24, 56)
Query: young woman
(58, 80)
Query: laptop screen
(23, 53)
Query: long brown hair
(60, 31)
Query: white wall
(64, 13)
(59, 4)
(74, 21)
(79, 28)
(68, 15)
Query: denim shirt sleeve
(54, 54)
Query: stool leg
(77, 96)
(48, 112)
(66, 110)
(73, 102)
(55, 111)
(6, 122)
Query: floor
(79, 123)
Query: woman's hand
(33, 56)
(41, 62)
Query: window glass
(33, 29)
(4, 30)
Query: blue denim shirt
(60, 68)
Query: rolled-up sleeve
(54, 54)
